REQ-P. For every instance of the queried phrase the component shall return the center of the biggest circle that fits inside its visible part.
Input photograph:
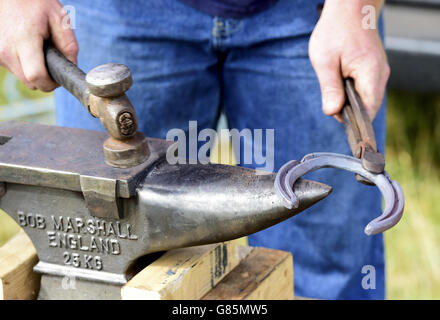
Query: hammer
(102, 93)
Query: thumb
(62, 35)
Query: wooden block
(303, 298)
(265, 274)
(187, 273)
(17, 279)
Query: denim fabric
(231, 8)
(187, 65)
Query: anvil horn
(200, 204)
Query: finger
(62, 35)
(370, 83)
(11, 62)
(370, 92)
(31, 56)
(332, 87)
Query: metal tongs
(360, 133)
(367, 163)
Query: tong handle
(357, 117)
(66, 74)
(360, 132)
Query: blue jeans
(187, 65)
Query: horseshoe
(391, 190)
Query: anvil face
(92, 222)
(67, 159)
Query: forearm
(354, 5)
(353, 11)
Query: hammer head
(126, 153)
(108, 83)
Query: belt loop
(218, 29)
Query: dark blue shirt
(235, 9)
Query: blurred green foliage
(414, 128)
(25, 93)
(413, 159)
(7, 226)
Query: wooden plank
(303, 298)
(17, 279)
(265, 274)
(187, 273)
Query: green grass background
(413, 159)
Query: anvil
(95, 222)
(94, 206)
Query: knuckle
(372, 98)
(372, 64)
(321, 59)
(57, 13)
(35, 75)
(323, 55)
(370, 89)
(314, 51)
(71, 49)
